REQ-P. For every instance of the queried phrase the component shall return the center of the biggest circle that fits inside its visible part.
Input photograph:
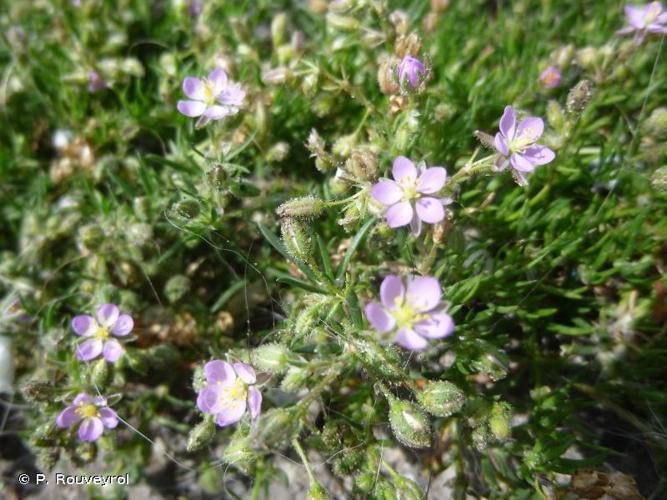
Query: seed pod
(297, 239)
(579, 97)
(200, 435)
(278, 29)
(301, 208)
(441, 398)
(176, 287)
(216, 176)
(555, 115)
(363, 164)
(387, 76)
(342, 23)
(187, 209)
(383, 361)
(500, 421)
(271, 357)
(90, 237)
(344, 146)
(275, 429)
(99, 373)
(295, 379)
(409, 424)
(239, 453)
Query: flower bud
(99, 373)
(441, 398)
(344, 146)
(187, 209)
(278, 152)
(271, 357)
(297, 239)
(90, 237)
(387, 80)
(656, 124)
(500, 421)
(216, 176)
(176, 287)
(301, 208)
(238, 451)
(409, 424)
(555, 115)
(659, 179)
(363, 164)
(200, 435)
(384, 361)
(275, 429)
(316, 492)
(586, 57)
(342, 23)
(276, 76)
(309, 85)
(579, 97)
(295, 379)
(278, 29)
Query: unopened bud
(562, 56)
(363, 164)
(342, 23)
(176, 287)
(316, 492)
(278, 152)
(278, 29)
(216, 176)
(441, 398)
(295, 379)
(91, 237)
(656, 124)
(579, 97)
(344, 146)
(309, 85)
(659, 179)
(271, 357)
(238, 452)
(99, 373)
(276, 76)
(200, 435)
(275, 429)
(305, 207)
(409, 424)
(297, 238)
(555, 115)
(187, 209)
(500, 421)
(586, 57)
(486, 139)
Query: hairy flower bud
(239, 453)
(305, 207)
(275, 429)
(344, 146)
(500, 421)
(271, 357)
(363, 164)
(295, 379)
(555, 115)
(441, 398)
(387, 80)
(579, 97)
(409, 424)
(99, 373)
(278, 29)
(342, 23)
(36, 391)
(276, 76)
(91, 237)
(176, 287)
(278, 152)
(656, 124)
(659, 179)
(201, 434)
(216, 176)
(297, 238)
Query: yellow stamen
(87, 410)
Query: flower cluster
(230, 390)
(414, 312)
(91, 414)
(98, 333)
(411, 196)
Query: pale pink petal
(218, 78)
(109, 418)
(219, 371)
(209, 400)
(501, 144)
(404, 170)
(123, 326)
(436, 326)
(245, 373)
(231, 414)
(68, 417)
(107, 315)
(191, 108)
(91, 429)
(508, 123)
(254, 402)
(84, 325)
(194, 88)
(530, 129)
(423, 293)
(387, 192)
(392, 291)
(410, 340)
(415, 224)
(430, 210)
(539, 155)
(217, 112)
(432, 180)
(521, 163)
(399, 214)
(89, 349)
(635, 16)
(381, 320)
(112, 350)
(82, 398)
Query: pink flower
(415, 314)
(99, 333)
(518, 144)
(212, 98)
(408, 196)
(93, 413)
(229, 391)
(550, 77)
(649, 18)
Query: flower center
(87, 410)
(101, 333)
(652, 14)
(209, 88)
(405, 314)
(521, 142)
(409, 186)
(233, 395)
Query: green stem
(304, 459)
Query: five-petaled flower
(410, 195)
(93, 413)
(229, 391)
(212, 98)
(415, 313)
(550, 77)
(649, 18)
(97, 333)
(516, 145)
(412, 69)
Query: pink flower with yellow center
(92, 414)
(99, 333)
